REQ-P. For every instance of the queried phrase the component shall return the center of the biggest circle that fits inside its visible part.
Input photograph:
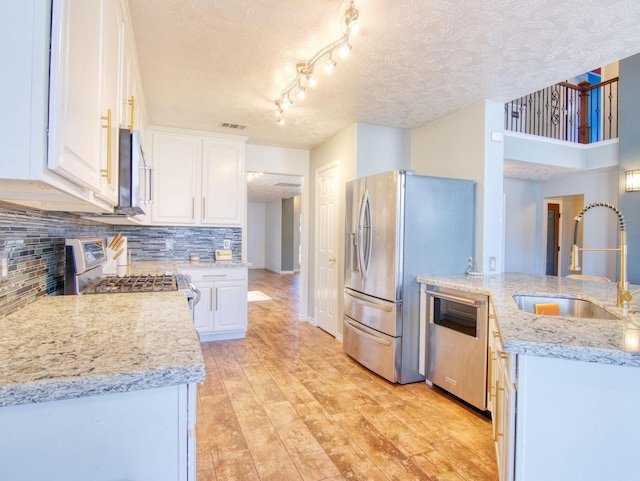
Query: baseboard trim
(312, 321)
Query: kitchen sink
(569, 306)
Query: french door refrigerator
(399, 226)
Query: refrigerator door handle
(365, 301)
(364, 233)
(366, 334)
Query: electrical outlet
(4, 267)
(168, 244)
(492, 263)
(226, 244)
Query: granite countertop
(591, 340)
(62, 347)
(173, 267)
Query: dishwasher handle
(451, 297)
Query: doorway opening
(560, 213)
(274, 221)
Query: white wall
(340, 148)
(255, 234)
(273, 236)
(460, 146)
(522, 242)
(380, 149)
(277, 160)
(600, 226)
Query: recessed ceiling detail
(228, 125)
(286, 184)
(264, 188)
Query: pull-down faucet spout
(623, 296)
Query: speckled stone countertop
(173, 267)
(591, 340)
(62, 347)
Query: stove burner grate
(141, 283)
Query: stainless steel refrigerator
(399, 226)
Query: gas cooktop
(139, 283)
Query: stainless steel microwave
(135, 176)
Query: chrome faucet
(623, 296)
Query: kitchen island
(99, 387)
(566, 396)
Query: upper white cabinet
(84, 107)
(223, 182)
(198, 179)
(62, 110)
(176, 164)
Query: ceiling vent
(228, 125)
(285, 184)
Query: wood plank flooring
(286, 403)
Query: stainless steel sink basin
(569, 306)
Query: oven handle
(359, 299)
(362, 333)
(196, 293)
(461, 300)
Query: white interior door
(326, 268)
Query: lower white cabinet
(137, 435)
(501, 401)
(221, 312)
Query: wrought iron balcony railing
(581, 113)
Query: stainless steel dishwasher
(456, 334)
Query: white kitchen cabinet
(221, 312)
(84, 93)
(57, 103)
(176, 164)
(138, 435)
(223, 182)
(501, 395)
(199, 178)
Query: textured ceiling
(204, 62)
(263, 188)
(515, 169)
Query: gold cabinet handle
(332, 259)
(193, 207)
(492, 358)
(498, 413)
(503, 355)
(204, 211)
(107, 172)
(132, 104)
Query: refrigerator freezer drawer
(374, 350)
(383, 316)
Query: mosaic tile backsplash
(32, 242)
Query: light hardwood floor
(286, 403)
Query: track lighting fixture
(305, 69)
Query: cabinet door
(203, 310)
(223, 182)
(74, 103)
(176, 164)
(504, 424)
(230, 306)
(111, 73)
